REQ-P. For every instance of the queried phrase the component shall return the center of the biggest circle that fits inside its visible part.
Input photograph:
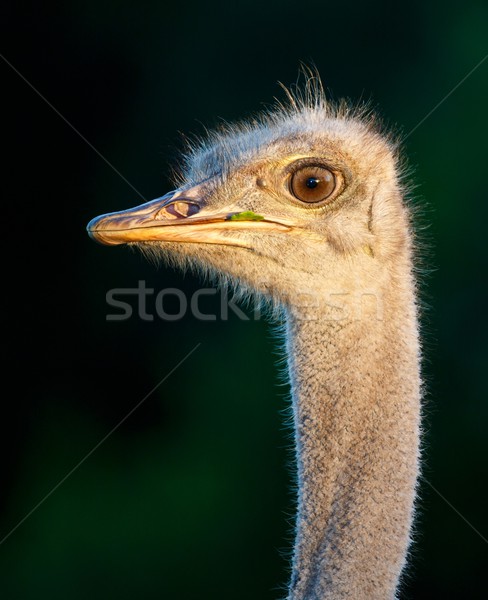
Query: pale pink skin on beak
(179, 216)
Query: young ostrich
(304, 206)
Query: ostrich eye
(312, 184)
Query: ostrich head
(301, 197)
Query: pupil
(312, 182)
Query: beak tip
(91, 228)
(94, 232)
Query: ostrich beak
(179, 216)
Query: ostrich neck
(355, 386)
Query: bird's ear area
(181, 216)
(389, 223)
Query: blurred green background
(190, 497)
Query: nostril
(186, 209)
(180, 209)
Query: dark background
(189, 497)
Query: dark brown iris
(312, 184)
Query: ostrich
(304, 206)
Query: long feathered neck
(354, 372)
